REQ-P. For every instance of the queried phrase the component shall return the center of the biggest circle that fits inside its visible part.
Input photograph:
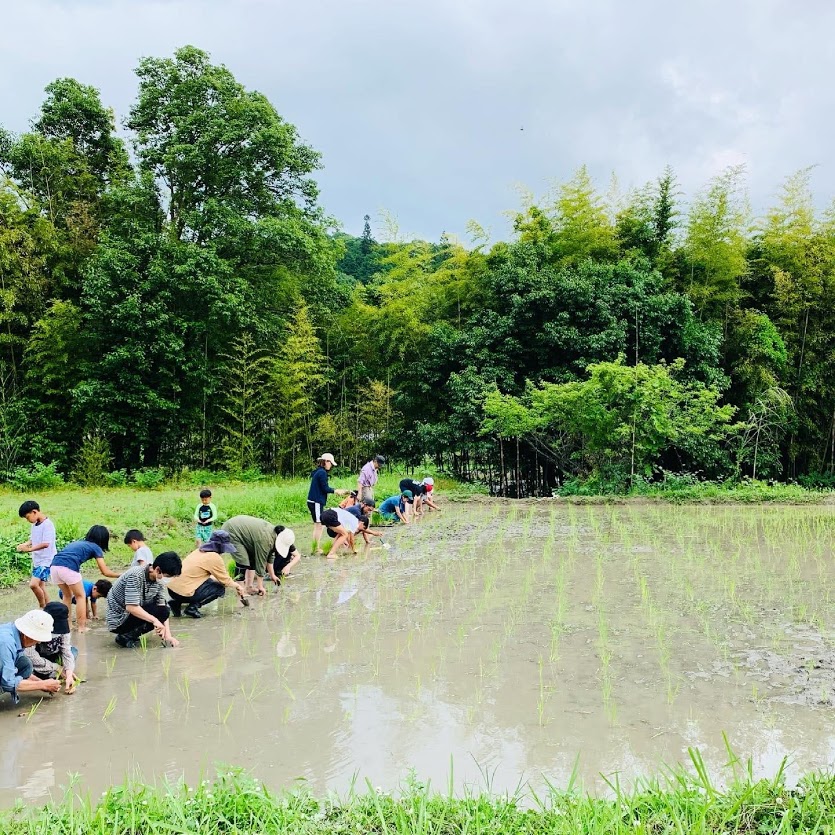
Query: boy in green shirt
(205, 516)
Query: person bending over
(341, 526)
(16, 674)
(204, 577)
(136, 603)
(394, 507)
(255, 550)
(66, 568)
(94, 592)
(45, 655)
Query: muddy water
(495, 643)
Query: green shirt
(254, 540)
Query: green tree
(716, 244)
(243, 403)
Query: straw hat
(36, 625)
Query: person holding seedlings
(394, 507)
(94, 592)
(342, 526)
(368, 477)
(41, 545)
(142, 555)
(419, 489)
(204, 577)
(258, 546)
(66, 568)
(16, 674)
(205, 517)
(364, 508)
(136, 604)
(317, 496)
(45, 655)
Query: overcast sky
(437, 110)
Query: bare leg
(38, 590)
(318, 527)
(77, 591)
(249, 579)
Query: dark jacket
(319, 487)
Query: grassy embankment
(164, 515)
(233, 803)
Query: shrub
(38, 477)
(117, 478)
(149, 479)
(92, 462)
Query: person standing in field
(136, 604)
(204, 577)
(258, 546)
(368, 478)
(16, 674)
(142, 554)
(41, 545)
(205, 517)
(317, 496)
(66, 569)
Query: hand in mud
(172, 642)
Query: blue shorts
(203, 532)
(42, 572)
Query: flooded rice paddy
(495, 643)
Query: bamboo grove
(180, 298)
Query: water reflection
(498, 643)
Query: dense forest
(182, 300)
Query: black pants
(137, 626)
(206, 592)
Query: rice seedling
(33, 709)
(223, 715)
(134, 692)
(184, 686)
(111, 706)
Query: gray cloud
(417, 107)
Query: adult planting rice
(317, 496)
(418, 489)
(259, 546)
(15, 668)
(394, 507)
(204, 577)
(342, 526)
(136, 603)
(66, 569)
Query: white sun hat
(327, 457)
(429, 481)
(36, 625)
(283, 542)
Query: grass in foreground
(234, 803)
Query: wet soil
(495, 643)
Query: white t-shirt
(45, 532)
(145, 554)
(347, 520)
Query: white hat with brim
(283, 542)
(36, 625)
(327, 457)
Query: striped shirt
(133, 588)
